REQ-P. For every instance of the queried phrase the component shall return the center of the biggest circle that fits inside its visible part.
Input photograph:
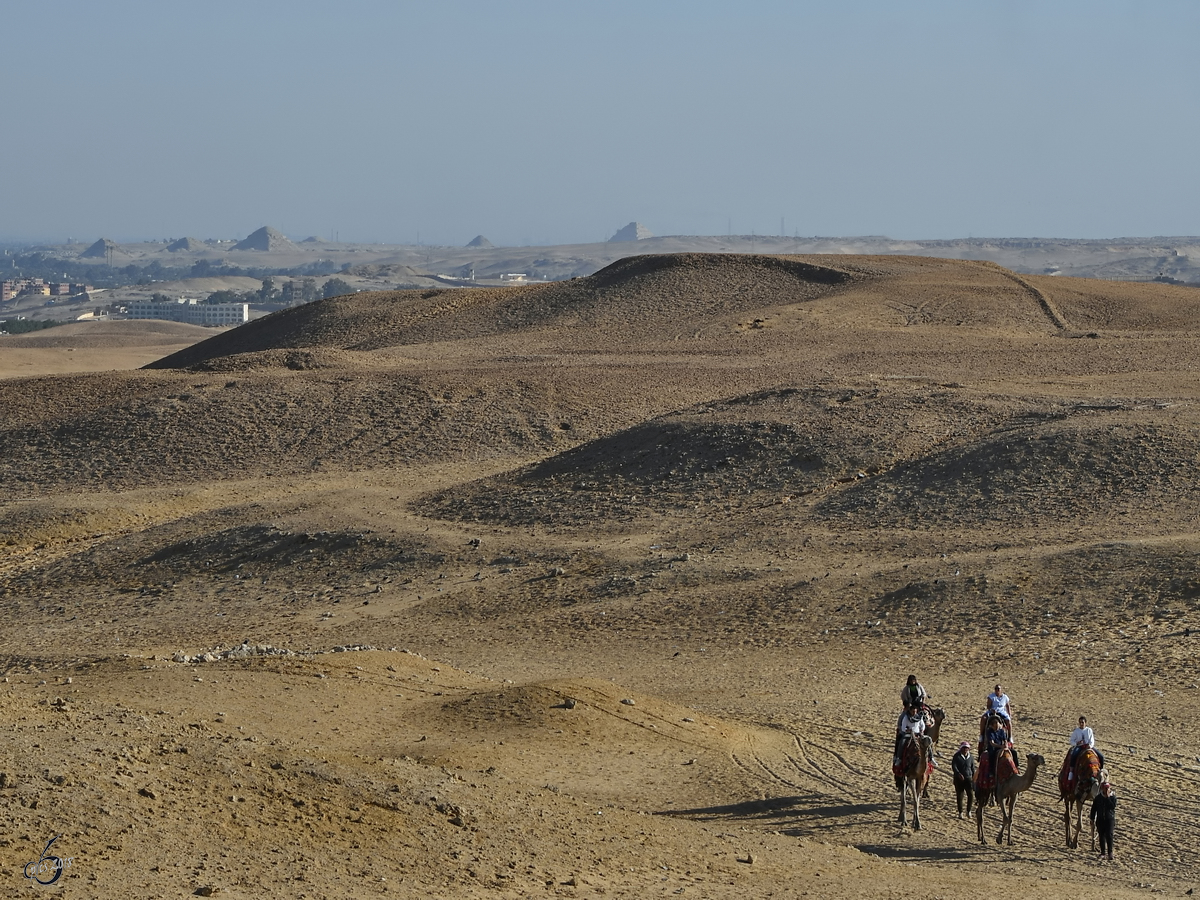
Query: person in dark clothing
(1104, 815)
(994, 743)
(963, 765)
(913, 694)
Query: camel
(1084, 787)
(1006, 797)
(939, 716)
(916, 776)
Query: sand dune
(722, 504)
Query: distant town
(225, 282)
(10, 290)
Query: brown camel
(1082, 788)
(1006, 797)
(916, 775)
(939, 716)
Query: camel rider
(1000, 705)
(995, 741)
(1081, 739)
(912, 725)
(913, 694)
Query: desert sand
(602, 588)
(98, 346)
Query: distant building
(18, 286)
(63, 289)
(194, 312)
(513, 276)
(9, 290)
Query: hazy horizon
(539, 123)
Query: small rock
(146, 792)
(569, 703)
(206, 891)
(628, 702)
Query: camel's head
(939, 716)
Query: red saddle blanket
(985, 778)
(1087, 772)
(907, 755)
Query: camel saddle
(907, 754)
(1006, 768)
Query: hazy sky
(557, 122)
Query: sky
(535, 122)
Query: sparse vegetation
(24, 326)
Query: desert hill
(746, 494)
(93, 346)
(108, 334)
(652, 292)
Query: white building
(194, 312)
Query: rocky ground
(602, 588)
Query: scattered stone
(628, 702)
(148, 793)
(569, 703)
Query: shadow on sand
(796, 815)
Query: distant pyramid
(100, 249)
(634, 231)
(481, 242)
(311, 240)
(266, 238)
(188, 243)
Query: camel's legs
(1006, 819)
(1075, 806)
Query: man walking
(963, 764)
(1104, 815)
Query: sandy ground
(94, 347)
(605, 588)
